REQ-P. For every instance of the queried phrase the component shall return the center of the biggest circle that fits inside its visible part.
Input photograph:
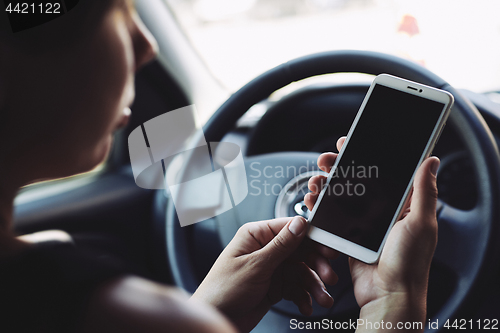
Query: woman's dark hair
(60, 32)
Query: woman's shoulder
(54, 287)
(45, 286)
(134, 304)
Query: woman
(64, 87)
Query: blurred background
(459, 40)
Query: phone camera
(420, 90)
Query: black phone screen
(377, 165)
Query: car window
(44, 188)
(239, 39)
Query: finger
(405, 213)
(410, 196)
(406, 208)
(310, 200)
(322, 267)
(292, 291)
(286, 241)
(263, 231)
(311, 282)
(260, 234)
(340, 142)
(316, 183)
(424, 197)
(325, 251)
(290, 285)
(326, 161)
(313, 246)
(304, 302)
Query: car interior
(281, 117)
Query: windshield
(458, 40)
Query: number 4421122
(31, 8)
(480, 324)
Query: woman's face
(63, 106)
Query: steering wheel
(466, 247)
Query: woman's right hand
(395, 289)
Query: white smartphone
(396, 128)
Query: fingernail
(297, 226)
(435, 166)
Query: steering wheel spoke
(458, 233)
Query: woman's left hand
(265, 262)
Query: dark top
(45, 288)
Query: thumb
(285, 242)
(423, 203)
